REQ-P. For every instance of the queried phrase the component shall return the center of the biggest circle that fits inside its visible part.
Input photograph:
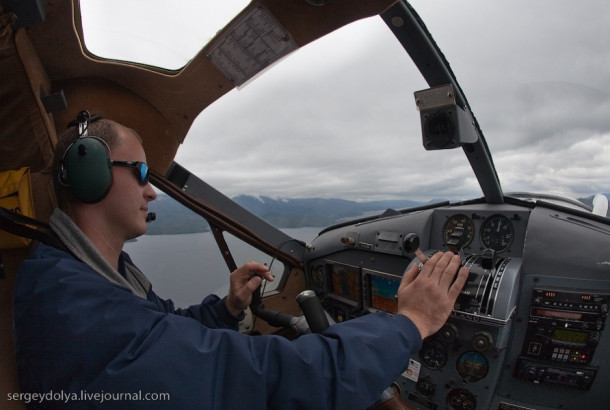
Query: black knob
(411, 245)
(411, 242)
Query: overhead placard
(250, 45)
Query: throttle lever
(272, 317)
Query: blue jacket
(87, 342)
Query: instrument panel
(496, 231)
(485, 354)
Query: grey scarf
(80, 245)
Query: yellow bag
(16, 196)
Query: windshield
(337, 119)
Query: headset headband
(82, 120)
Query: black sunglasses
(142, 167)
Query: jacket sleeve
(212, 312)
(75, 332)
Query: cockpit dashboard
(528, 329)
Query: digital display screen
(570, 336)
(383, 292)
(345, 281)
(558, 314)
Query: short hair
(106, 130)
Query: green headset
(86, 166)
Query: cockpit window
(335, 119)
(169, 37)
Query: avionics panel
(563, 333)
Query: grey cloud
(343, 123)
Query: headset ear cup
(87, 170)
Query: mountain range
(173, 218)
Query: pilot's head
(100, 169)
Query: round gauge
(433, 355)
(425, 387)
(497, 233)
(461, 399)
(472, 366)
(459, 225)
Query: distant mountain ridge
(173, 218)
(318, 212)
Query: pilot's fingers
(458, 284)
(451, 269)
(409, 275)
(414, 271)
(441, 264)
(250, 269)
(252, 285)
(241, 291)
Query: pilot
(90, 331)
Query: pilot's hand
(242, 283)
(427, 297)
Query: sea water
(187, 267)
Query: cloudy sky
(337, 118)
